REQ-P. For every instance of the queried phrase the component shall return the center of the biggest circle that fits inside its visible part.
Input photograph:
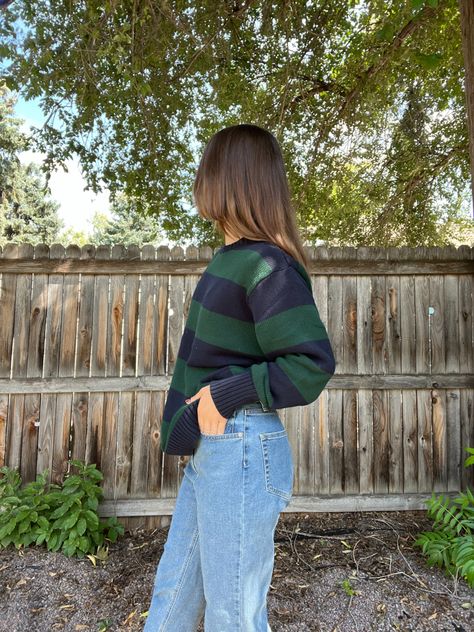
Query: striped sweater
(254, 333)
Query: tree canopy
(365, 98)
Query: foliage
(27, 214)
(124, 227)
(450, 545)
(135, 90)
(63, 517)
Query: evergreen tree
(27, 214)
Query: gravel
(334, 572)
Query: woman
(253, 343)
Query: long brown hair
(241, 185)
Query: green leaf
(71, 520)
(81, 526)
(92, 519)
(41, 538)
(84, 543)
(428, 61)
(43, 522)
(386, 32)
(8, 528)
(24, 526)
(60, 511)
(52, 541)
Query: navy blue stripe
(278, 292)
(209, 295)
(210, 355)
(174, 400)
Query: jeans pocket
(227, 434)
(277, 463)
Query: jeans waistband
(255, 406)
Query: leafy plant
(62, 517)
(451, 543)
(346, 584)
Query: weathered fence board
(89, 339)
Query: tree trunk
(467, 30)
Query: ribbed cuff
(186, 432)
(234, 391)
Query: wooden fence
(88, 343)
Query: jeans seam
(266, 467)
(180, 583)
(242, 528)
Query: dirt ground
(392, 586)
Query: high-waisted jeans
(219, 554)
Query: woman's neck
(229, 239)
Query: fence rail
(88, 343)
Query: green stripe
(235, 265)
(187, 375)
(304, 374)
(227, 333)
(296, 325)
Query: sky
(77, 206)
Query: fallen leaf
(20, 582)
(130, 617)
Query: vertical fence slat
(112, 400)
(12, 434)
(423, 365)
(145, 430)
(81, 416)
(20, 365)
(452, 337)
(64, 430)
(466, 365)
(394, 366)
(175, 330)
(365, 367)
(438, 365)
(51, 418)
(336, 430)
(161, 365)
(425, 442)
(100, 311)
(320, 410)
(395, 441)
(65, 350)
(349, 404)
(127, 362)
(408, 365)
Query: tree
(124, 227)
(139, 87)
(26, 212)
(467, 29)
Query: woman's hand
(211, 422)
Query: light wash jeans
(219, 554)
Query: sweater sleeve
(299, 357)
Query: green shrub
(62, 517)
(451, 543)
